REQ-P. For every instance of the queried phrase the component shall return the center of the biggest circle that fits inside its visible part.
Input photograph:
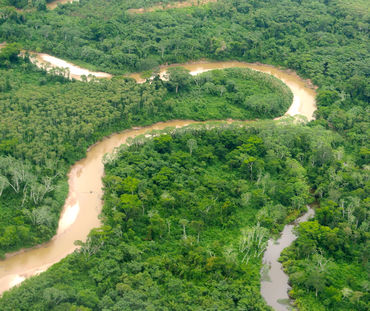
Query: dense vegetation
(314, 37)
(41, 5)
(190, 211)
(328, 263)
(186, 219)
(48, 123)
(324, 40)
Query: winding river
(303, 91)
(83, 204)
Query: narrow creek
(274, 284)
(83, 204)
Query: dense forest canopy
(190, 212)
(262, 174)
(323, 40)
(314, 37)
(48, 123)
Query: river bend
(83, 204)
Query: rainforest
(152, 153)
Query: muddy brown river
(304, 94)
(80, 212)
(83, 204)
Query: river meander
(303, 91)
(83, 204)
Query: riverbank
(49, 62)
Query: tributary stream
(274, 284)
(83, 204)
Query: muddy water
(83, 205)
(52, 5)
(303, 92)
(274, 286)
(175, 5)
(80, 213)
(76, 72)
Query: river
(303, 90)
(80, 212)
(83, 204)
(47, 61)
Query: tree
(184, 222)
(253, 242)
(162, 143)
(192, 144)
(9, 53)
(316, 273)
(197, 226)
(178, 78)
(95, 241)
(4, 183)
(130, 184)
(157, 225)
(88, 298)
(249, 162)
(54, 296)
(39, 216)
(130, 204)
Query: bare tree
(253, 242)
(184, 223)
(192, 144)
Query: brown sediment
(174, 5)
(52, 5)
(49, 62)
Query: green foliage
(239, 93)
(18, 3)
(9, 54)
(174, 229)
(327, 264)
(323, 40)
(166, 243)
(48, 122)
(178, 78)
